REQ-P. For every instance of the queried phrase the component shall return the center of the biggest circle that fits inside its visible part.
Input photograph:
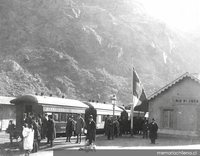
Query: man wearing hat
(109, 124)
(153, 128)
(69, 129)
(10, 130)
(91, 130)
(80, 124)
(51, 130)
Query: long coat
(69, 128)
(109, 126)
(37, 130)
(106, 126)
(79, 125)
(28, 138)
(44, 127)
(11, 129)
(51, 129)
(153, 128)
(91, 131)
(145, 127)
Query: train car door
(28, 108)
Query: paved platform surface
(126, 142)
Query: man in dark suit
(106, 126)
(44, 126)
(91, 130)
(145, 128)
(153, 128)
(109, 127)
(51, 130)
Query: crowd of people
(36, 128)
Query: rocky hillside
(84, 49)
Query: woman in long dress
(28, 138)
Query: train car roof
(129, 111)
(4, 100)
(46, 100)
(103, 106)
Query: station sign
(185, 100)
(61, 109)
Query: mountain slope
(85, 49)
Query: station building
(176, 107)
(7, 112)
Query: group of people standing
(74, 128)
(150, 130)
(30, 134)
(114, 127)
(36, 128)
(80, 127)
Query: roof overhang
(25, 98)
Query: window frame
(168, 118)
(61, 115)
(54, 116)
(174, 117)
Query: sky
(180, 14)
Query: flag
(138, 90)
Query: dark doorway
(28, 108)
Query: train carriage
(60, 108)
(102, 110)
(135, 114)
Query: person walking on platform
(153, 128)
(79, 127)
(10, 130)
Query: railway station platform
(125, 142)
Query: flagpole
(132, 108)
(138, 93)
